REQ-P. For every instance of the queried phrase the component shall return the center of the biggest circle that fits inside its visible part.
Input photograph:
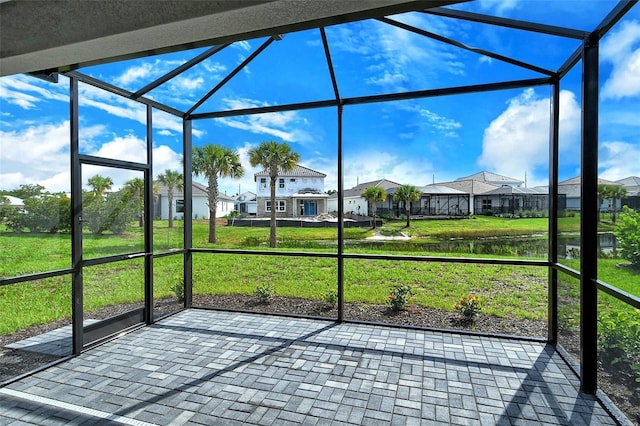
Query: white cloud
(498, 6)
(281, 125)
(39, 154)
(134, 74)
(125, 108)
(398, 58)
(517, 141)
(242, 45)
(34, 155)
(26, 91)
(621, 48)
(615, 160)
(165, 132)
(443, 124)
(181, 84)
(369, 166)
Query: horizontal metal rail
(471, 260)
(34, 277)
(628, 298)
(565, 269)
(110, 162)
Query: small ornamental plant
(469, 306)
(330, 298)
(264, 292)
(400, 297)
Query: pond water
(528, 246)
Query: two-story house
(299, 193)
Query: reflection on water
(568, 245)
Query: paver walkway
(207, 367)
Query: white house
(299, 193)
(353, 202)
(200, 204)
(246, 203)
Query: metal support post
(188, 208)
(589, 218)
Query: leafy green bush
(113, 212)
(619, 339)
(264, 292)
(628, 233)
(42, 213)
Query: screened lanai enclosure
(359, 93)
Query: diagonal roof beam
(327, 53)
(190, 63)
(120, 92)
(464, 46)
(230, 76)
(614, 16)
(570, 62)
(509, 23)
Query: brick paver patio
(207, 367)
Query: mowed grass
(508, 291)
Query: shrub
(330, 297)
(178, 289)
(44, 213)
(264, 292)
(628, 233)
(619, 339)
(400, 297)
(469, 306)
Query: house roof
(470, 186)
(297, 171)
(509, 190)
(246, 196)
(11, 201)
(440, 189)
(577, 180)
(629, 181)
(357, 190)
(491, 177)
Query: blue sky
(416, 141)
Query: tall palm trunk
(170, 200)
(407, 209)
(272, 233)
(213, 207)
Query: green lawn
(508, 291)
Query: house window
(179, 206)
(263, 183)
(292, 180)
(281, 183)
(486, 204)
(281, 206)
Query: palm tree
(409, 194)
(134, 189)
(616, 193)
(99, 184)
(374, 195)
(172, 180)
(214, 161)
(274, 157)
